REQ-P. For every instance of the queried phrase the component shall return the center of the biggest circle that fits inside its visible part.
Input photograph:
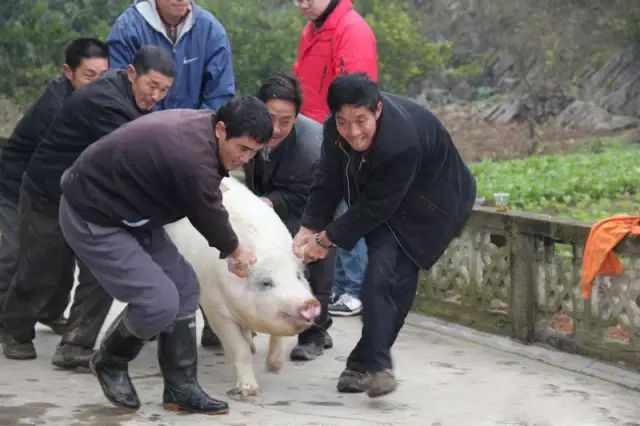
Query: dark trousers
(9, 243)
(44, 276)
(141, 268)
(320, 275)
(388, 290)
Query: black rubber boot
(110, 364)
(179, 364)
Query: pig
(275, 299)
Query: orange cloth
(599, 257)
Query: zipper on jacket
(395, 237)
(346, 172)
(323, 76)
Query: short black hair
(245, 116)
(283, 86)
(153, 58)
(353, 89)
(84, 48)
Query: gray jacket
(286, 177)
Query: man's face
(173, 9)
(88, 70)
(235, 152)
(149, 88)
(357, 125)
(312, 9)
(283, 116)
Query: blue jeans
(350, 265)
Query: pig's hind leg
(238, 351)
(275, 357)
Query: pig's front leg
(238, 351)
(275, 357)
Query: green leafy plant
(585, 185)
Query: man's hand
(312, 251)
(241, 261)
(300, 240)
(267, 201)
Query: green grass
(600, 180)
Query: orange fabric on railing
(599, 257)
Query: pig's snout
(310, 309)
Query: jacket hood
(148, 10)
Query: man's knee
(189, 300)
(159, 310)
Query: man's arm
(356, 51)
(121, 46)
(200, 193)
(218, 84)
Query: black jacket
(30, 130)
(88, 114)
(154, 171)
(411, 178)
(286, 177)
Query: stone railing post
(522, 309)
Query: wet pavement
(447, 375)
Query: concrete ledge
(567, 361)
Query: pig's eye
(267, 284)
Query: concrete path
(448, 376)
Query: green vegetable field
(600, 180)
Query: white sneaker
(347, 305)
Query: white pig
(275, 299)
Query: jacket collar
(343, 7)
(147, 8)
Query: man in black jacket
(90, 113)
(86, 59)
(116, 200)
(282, 178)
(409, 195)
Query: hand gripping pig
(275, 298)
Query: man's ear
(131, 73)
(220, 130)
(378, 110)
(67, 71)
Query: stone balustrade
(518, 274)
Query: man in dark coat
(97, 109)
(282, 178)
(409, 195)
(86, 59)
(116, 200)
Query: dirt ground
(477, 139)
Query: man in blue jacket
(195, 38)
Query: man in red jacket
(335, 41)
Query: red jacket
(343, 44)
